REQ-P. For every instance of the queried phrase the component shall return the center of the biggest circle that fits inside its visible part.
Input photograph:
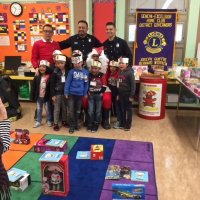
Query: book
(113, 172)
(139, 176)
(14, 174)
(125, 172)
(128, 191)
(56, 143)
(83, 155)
(51, 156)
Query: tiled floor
(177, 163)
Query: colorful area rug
(87, 178)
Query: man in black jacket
(82, 41)
(115, 47)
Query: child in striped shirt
(4, 146)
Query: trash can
(152, 97)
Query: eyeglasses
(45, 31)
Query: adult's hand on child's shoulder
(3, 112)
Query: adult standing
(115, 47)
(44, 48)
(82, 41)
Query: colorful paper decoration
(19, 25)
(3, 18)
(3, 29)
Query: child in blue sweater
(76, 87)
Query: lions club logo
(154, 42)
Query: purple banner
(155, 34)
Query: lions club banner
(155, 34)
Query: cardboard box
(97, 152)
(55, 177)
(22, 183)
(41, 147)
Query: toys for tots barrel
(152, 97)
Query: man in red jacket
(43, 49)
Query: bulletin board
(17, 34)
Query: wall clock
(16, 9)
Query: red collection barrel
(152, 97)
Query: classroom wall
(20, 37)
(79, 12)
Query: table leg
(179, 96)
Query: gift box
(19, 179)
(44, 145)
(55, 177)
(97, 152)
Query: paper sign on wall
(4, 40)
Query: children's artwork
(3, 29)
(128, 191)
(4, 40)
(19, 25)
(19, 36)
(14, 174)
(51, 156)
(34, 39)
(49, 18)
(36, 29)
(62, 29)
(3, 18)
(62, 17)
(33, 18)
(125, 172)
(83, 155)
(139, 176)
(56, 143)
(21, 47)
(113, 172)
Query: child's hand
(54, 99)
(3, 113)
(66, 96)
(117, 98)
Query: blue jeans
(40, 104)
(74, 103)
(125, 110)
(94, 109)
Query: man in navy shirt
(82, 41)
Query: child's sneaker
(89, 128)
(127, 128)
(56, 127)
(117, 125)
(71, 130)
(95, 128)
(49, 124)
(37, 124)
